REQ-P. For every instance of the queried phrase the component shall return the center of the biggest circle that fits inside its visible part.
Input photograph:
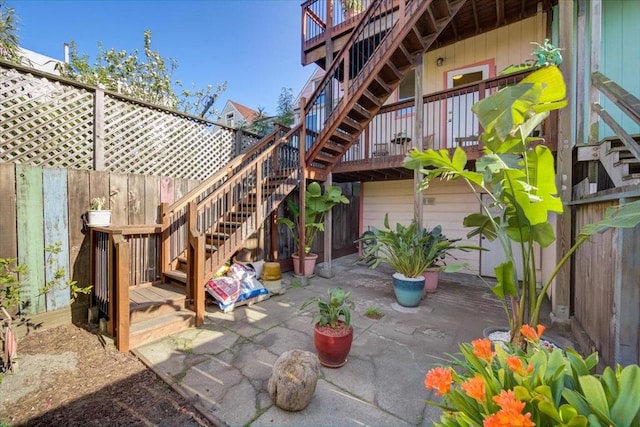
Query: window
(407, 86)
(229, 119)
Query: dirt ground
(69, 376)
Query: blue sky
(252, 44)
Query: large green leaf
(627, 406)
(482, 225)
(622, 216)
(554, 92)
(595, 397)
(506, 284)
(542, 176)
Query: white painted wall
(446, 204)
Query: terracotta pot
(430, 279)
(332, 345)
(408, 290)
(309, 264)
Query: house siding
(446, 204)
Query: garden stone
(293, 380)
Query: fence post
(98, 130)
(122, 268)
(165, 243)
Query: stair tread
(159, 320)
(177, 275)
(627, 161)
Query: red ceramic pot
(333, 344)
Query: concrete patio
(224, 366)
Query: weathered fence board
(8, 247)
(30, 235)
(56, 226)
(119, 196)
(152, 199)
(136, 199)
(78, 183)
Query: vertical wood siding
(594, 277)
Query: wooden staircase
(369, 76)
(198, 234)
(621, 164)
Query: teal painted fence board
(56, 229)
(620, 58)
(30, 233)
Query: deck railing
(448, 122)
(370, 39)
(123, 257)
(322, 16)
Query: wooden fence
(50, 121)
(42, 206)
(606, 284)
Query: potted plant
(495, 386)
(351, 8)
(403, 248)
(97, 216)
(317, 204)
(332, 332)
(519, 177)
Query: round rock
(293, 380)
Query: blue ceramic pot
(408, 290)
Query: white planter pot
(98, 218)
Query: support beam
(326, 270)
(561, 300)
(418, 137)
(302, 191)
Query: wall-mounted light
(439, 61)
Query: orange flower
(515, 364)
(507, 401)
(532, 334)
(475, 388)
(482, 349)
(508, 419)
(439, 379)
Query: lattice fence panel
(248, 141)
(44, 122)
(156, 142)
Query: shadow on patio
(224, 366)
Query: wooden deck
(142, 297)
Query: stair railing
(628, 104)
(174, 217)
(369, 41)
(250, 194)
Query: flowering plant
(504, 386)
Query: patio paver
(224, 367)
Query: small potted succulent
(97, 216)
(333, 333)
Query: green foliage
(9, 41)
(408, 250)
(285, 107)
(260, 124)
(58, 281)
(520, 182)
(337, 307)
(147, 78)
(11, 277)
(374, 313)
(551, 387)
(316, 204)
(97, 203)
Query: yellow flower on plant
(475, 388)
(439, 379)
(482, 349)
(532, 334)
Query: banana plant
(519, 177)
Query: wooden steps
(157, 311)
(395, 56)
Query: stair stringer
(611, 161)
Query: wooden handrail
(625, 100)
(222, 173)
(128, 230)
(629, 143)
(330, 72)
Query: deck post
(417, 142)
(121, 295)
(326, 270)
(302, 191)
(561, 300)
